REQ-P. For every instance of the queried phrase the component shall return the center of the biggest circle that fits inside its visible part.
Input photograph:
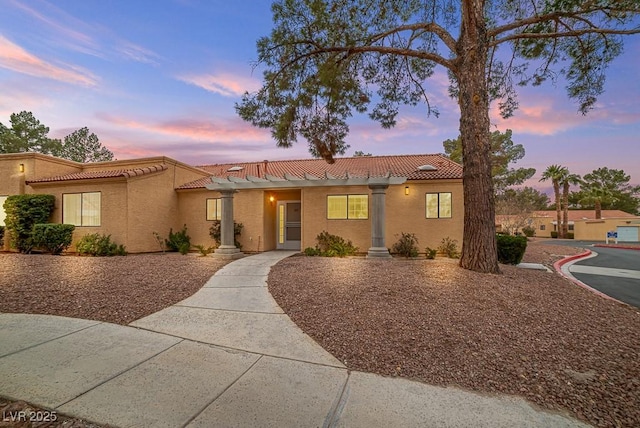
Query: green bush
(511, 249)
(204, 251)
(570, 235)
(407, 245)
(528, 231)
(215, 231)
(334, 246)
(179, 241)
(52, 238)
(1, 236)
(554, 234)
(96, 244)
(449, 247)
(23, 211)
(310, 251)
(430, 253)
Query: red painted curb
(558, 267)
(621, 247)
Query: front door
(289, 225)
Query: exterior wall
(547, 222)
(407, 213)
(314, 217)
(113, 201)
(596, 230)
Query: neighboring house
(582, 223)
(281, 204)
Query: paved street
(614, 272)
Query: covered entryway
(289, 225)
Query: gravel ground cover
(529, 333)
(113, 289)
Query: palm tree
(567, 180)
(556, 173)
(596, 195)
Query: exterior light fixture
(406, 190)
(271, 199)
(21, 167)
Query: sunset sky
(161, 78)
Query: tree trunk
(598, 209)
(479, 251)
(556, 190)
(565, 209)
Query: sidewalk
(226, 356)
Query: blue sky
(161, 78)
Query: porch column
(227, 248)
(378, 248)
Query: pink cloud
(225, 84)
(229, 130)
(15, 58)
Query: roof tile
(91, 175)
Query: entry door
(289, 221)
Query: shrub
(215, 231)
(332, 245)
(1, 236)
(570, 235)
(528, 231)
(160, 241)
(23, 211)
(204, 251)
(430, 253)
(407, 245)
(511, 249)
(96, 244)
(53, 238)
(449, 247)
(310, 251)
(179, 241)
(554, 234)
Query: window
(438, 205)
(81, 209)
(571, 227)
(214, 209)
(347, 207)
(3, 214)
(543, 227)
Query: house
(581, 223)
(281, 204)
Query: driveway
(613, 271)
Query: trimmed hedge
(53, 238)
(1, 236)
(511, 248)
(23, 212)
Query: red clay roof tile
(363, 166)
(90, 175)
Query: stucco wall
(113, 201)
(596, 230)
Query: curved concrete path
(226, 356)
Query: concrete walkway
(226, 356)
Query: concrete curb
(618, 246)
(562, 267)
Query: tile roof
(585, 214)
(90, 175)
(362, 166)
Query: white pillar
(378, 247)
(227, 248)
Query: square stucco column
(378, 247)
(227, 248)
